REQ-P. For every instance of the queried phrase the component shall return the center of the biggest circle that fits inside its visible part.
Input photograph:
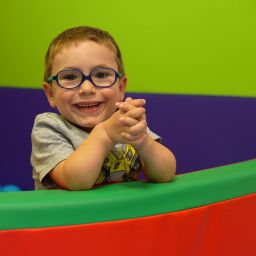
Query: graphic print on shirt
(121, 164)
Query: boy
(98, 138)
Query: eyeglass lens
(73, 78)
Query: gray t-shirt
(54, 139)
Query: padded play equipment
(208, 212)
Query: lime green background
(179, 46)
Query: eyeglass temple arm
(51, 78)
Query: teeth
(87, 105)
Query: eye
(69, 77)
(101, 74)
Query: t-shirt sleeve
(49, 146)
(154, 135)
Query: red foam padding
(223, 228)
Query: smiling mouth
(88, 106)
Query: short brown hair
(78, 34)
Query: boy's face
(86, 105)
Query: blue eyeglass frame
(84, 77)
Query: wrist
(146, 142)
(104, 135)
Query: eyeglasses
(72, 78)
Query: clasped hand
(128, 124)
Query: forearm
(81, 169)
(159, 161)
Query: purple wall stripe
(202, 131)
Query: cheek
(109, 94)
(63, 95)
(62, 100)
(117, 95)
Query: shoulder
(53, 126)
(47, 124)
(48, 118)
(52, 121)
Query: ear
(122, 87)
(49, 94)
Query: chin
(88, 125)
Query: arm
(159, 162)
(81, 169)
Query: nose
(87, 88)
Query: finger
(128, 121)
(136, 113)
(137, 102)
(129, 137)
(128, 99)
(125, 107)
(140, 127)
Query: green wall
(169, 46)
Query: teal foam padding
(34, 209)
